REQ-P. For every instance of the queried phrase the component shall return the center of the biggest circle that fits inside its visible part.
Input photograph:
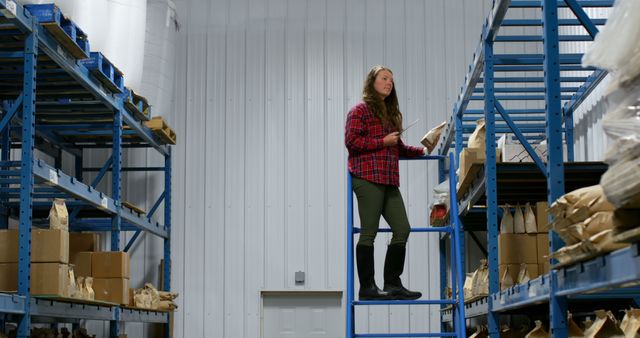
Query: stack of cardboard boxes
(49, 261)
(520, 250)
(51, 252)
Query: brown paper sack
(72, 287)
(481, 332)
(604, 326)
(538, 331)
(58, 215)
(88, 289)
(518, 220)
(603, 241)
(468, 288)
(478, 137)
(592, 198)
(167, 305)
(80, 293)
(631, 323)
(506, 281)
(523, 274)
(530, 224)
(598, 223)
(506, 224)
(480, 279)
(574, 330)
(430, 139)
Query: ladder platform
(445, 229)
(384, 335)
(405, 302)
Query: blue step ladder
(454, 229)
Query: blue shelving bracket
(521, 138)
(582, 17)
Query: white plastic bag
(621, 184)
(616, 48)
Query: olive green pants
(375, 200)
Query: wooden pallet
(133, 208)
(63, 30)
(161, 129)
(137, 105)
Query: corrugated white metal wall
(262, 92)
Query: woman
(372, 136)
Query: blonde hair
(388, 110)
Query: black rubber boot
(366, 271)
(393, 267)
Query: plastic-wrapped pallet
(616, 48)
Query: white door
(302, 315)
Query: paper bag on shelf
(506, 281)
(523, 274)
(58, 215)
(604, 326)
(506, 224)
(538, 331)
(574, 330)
(478, 137)
(530, 224)
(631, 323)
(518, 220)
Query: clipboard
(409, 126)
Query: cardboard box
(544, 268)
(517, 248)
(114, 290)
(514, 269)
(50, 279)
(47, 246)
(469, 156)
(82, 242)
(9, 246)
(46, 278)
(82, 264)
(8, 277)
(109, 264)
(543, 247)
(542, 217)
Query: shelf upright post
(555, 164)
(568, 123)
(459, 134)
(491, 184)
(167, 223)
(26, 179)
(116, 186)
(5, 155)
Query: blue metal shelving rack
(454, 232)
(490, 81)
(70, 110)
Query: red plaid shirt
(369, 159)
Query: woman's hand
(391, 139)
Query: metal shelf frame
(490, 81)
(54, 103)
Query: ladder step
(381, 335)
(405, 302)
(446, 229)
